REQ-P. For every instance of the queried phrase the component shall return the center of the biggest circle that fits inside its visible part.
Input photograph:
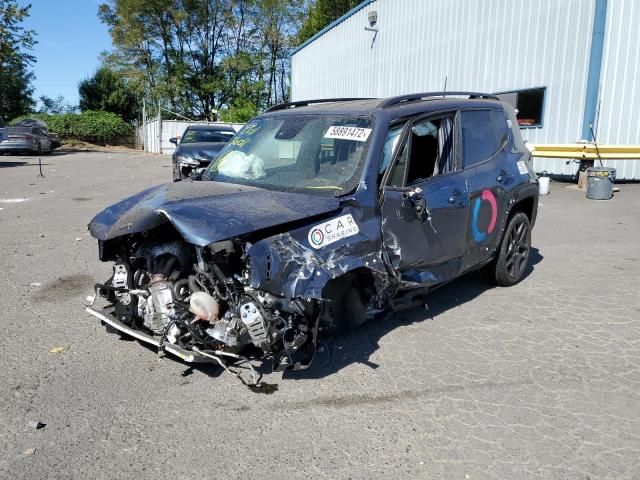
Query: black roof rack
(413, 97)
(304, 103)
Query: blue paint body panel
(206, 212)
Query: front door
(425, 203)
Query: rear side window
(479, 141)
(500, 126)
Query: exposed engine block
(207, 306)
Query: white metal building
(563, 63)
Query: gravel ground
(540, 380)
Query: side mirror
(418, 202)
(174, 140)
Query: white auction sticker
(348, 133)
(332, 230)
(522, 168)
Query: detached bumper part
(184, 355)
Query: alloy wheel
(518, 249)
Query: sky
(70, 40)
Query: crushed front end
(197, 303)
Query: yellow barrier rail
(586, 151)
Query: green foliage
(107, 91)
(197, 56)
(16, 91)
(321, 13)
(241, 111)
(88, 126)
(55, 106)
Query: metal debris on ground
(37, 425)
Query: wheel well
(361, 278)
(349, 296)
(525, 206)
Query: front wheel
(513, 257)
(345, 310)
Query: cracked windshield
(321, 154)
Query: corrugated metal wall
(150, 136)
(492, 46)
(619, 119)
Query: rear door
(425, 203)
(485, 153)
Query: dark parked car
(317, 216)
(23, 140)
(30, 122)
(197, 147)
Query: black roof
(396, 106)
(212, 126)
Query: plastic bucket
(543, 185)
(600, 182)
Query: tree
(197, 56)
(107, 91)
(321, 13)
(55, 106)
(279, 27)
(16, 90)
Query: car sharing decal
(488, 196)
(348, 133)
(332, 230)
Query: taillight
(22, 137)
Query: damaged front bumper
(184, 355)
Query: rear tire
(510, 265)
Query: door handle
(454, 196)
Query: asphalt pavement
(540, 380)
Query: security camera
(373, 18)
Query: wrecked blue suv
(316, 216)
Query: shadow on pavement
(357, 346)
(4, 164)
